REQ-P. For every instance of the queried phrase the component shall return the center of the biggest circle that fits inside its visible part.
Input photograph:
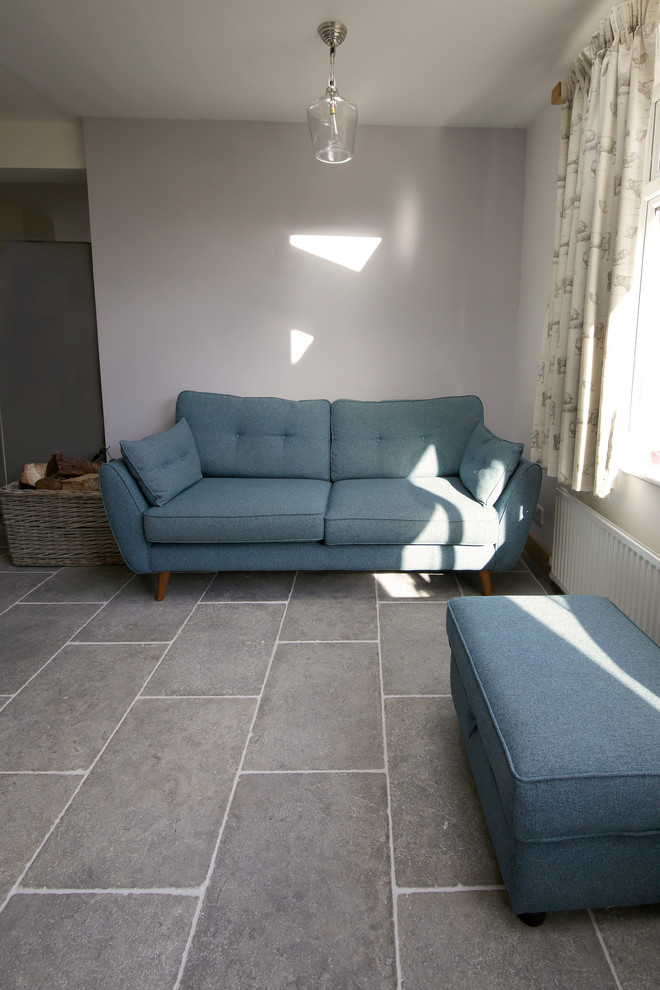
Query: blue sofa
(274, 484)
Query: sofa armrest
(515, 507)
(124, 506)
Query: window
(643, 456)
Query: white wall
(634, 505)
(198, 287)
(538, 245)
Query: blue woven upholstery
(558, 699)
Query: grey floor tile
(414, 648)
(632, 937)
(470, 940)
(331, 606)
(440, 836)
(31, 634)
(514, 582)
(222, 649)
(135, 616)
(335, 585)
(82, 584)
(62, 719)
(300, 893)
(330, 620)
(7, 565)
(320, 710)
(414, 586)
(250, 586)
(99, 941)
(15, 584)
(29, 807)
(149, 813)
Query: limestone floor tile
(29, 807)
(300, 894)
(335, 584)
(31, 634)
(63, 718)
(632, 937)
(330, 620)
(331, 606)
(99, 941)
(250, 586)
(82, 584)
(440, 836)
(149, 813)
(414, 648)
(320, 710)
(135, 616)
(15, 584)
(222, 649)
(470, 940)
(416, 586)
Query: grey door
(50, 390)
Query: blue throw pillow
(164, 464)
(488, 463)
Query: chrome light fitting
(332, 120)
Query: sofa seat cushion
(564, 692)
(428, 511)
(241, 510)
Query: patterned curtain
(585, 369)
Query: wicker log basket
(56, 528)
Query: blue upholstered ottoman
(558, 700)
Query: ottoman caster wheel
(533, 919)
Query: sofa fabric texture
(248, 437)
(164, 464)
(487, 464)
(309, 484)
(557, 702)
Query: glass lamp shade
(332, 124)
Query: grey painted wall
(198, 287)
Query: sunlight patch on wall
(300, 341)
(350, 252)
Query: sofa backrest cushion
(402, 438)
(254, 437)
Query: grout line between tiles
(393, 886)
(205, 885)
(284, 773)
(247, 601)
(414, 696)
(19, 601)
(196, 697)
(69, 642)
(122, 891)
(43, 773)
(605, 950)
(55, 824)
(331, 642)
(458, 889)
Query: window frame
(639, 459)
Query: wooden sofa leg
(484, 577)
(161, 587)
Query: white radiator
(591, 556)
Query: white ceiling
(420, 62)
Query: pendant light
(332, 120)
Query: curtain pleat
(585, 368)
